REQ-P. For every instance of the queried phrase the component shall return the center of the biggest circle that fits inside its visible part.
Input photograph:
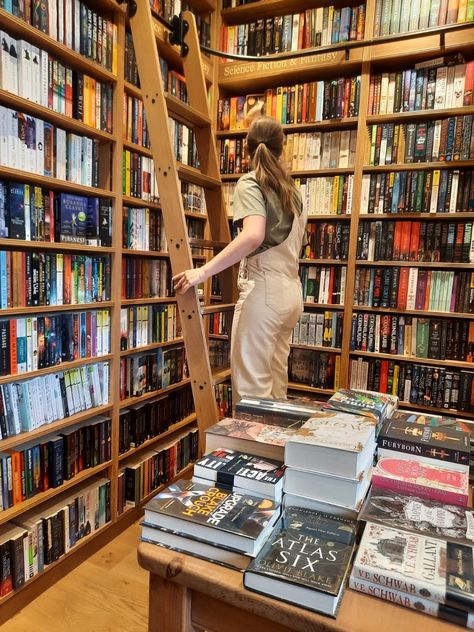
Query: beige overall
(270, 302)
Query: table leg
(169, 607)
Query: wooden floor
(106, 593)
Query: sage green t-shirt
(249, 200)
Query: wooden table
(189, 595)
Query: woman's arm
(248, 240)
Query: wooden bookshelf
(151, 347)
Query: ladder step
(212, 309)
(191, 174)
(220, 375)
(206, 244)
(187, 113)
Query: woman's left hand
(183, 281)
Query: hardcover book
(305, 561)
(420, 515)
(243, 472)
(333, 442)
(250, 437)
(238, 521)
(417, 565)
(443, 444)
(422, 479)
(376, 406)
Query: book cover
(338, 430)
(422, 479)
(416, 564)
(377, 406)
(420, 515)
(443, 444)
(251, 430)
(225, 466)
(308, 549)
(210, 506)
(285, 413)
(72, 218)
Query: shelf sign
(232, 69)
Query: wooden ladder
(196, 116)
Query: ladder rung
(187, 113)
(219, 375)
(206, 244)
(212, 309)
(194, 175)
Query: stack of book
(305, 560)
(329, 462)
(429, 461)
(375, 406)
(211, 522)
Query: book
(250, 437)
(295, 500)
(420, 515)
(416, 564)
(203, 549)
(305, 561)
(374, 405)
(287, 413)
(443, 444)
(241, 472)
(422, 479)
(333, 442)
(239, 521)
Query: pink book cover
(427, 481)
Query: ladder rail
(195, 340)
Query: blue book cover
(3, 280)
(72, 218)
(83, 334)
(4, 219)
(345, 24)
(16, 203)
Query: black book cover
(309, 549)
(444, 444)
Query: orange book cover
(86, 100)
(371, 96)
(469, 84)
(452, 12)
(233, 113)
(403, 288)
(470, 343)
(13, 347)
(347, 97)
(313, 89)
(301, 31)
(405, 241)
(67, 280)
(92, 103)
(16, 477)
(427, 292)
(414, 241)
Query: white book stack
(329, 463)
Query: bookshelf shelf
(413, 359)
(139, 149)
(329, 216)
(22, 30)
(410, 312)
(148, 301)
(324, 306)
(133, 201)
(21, 244)
(324, 262)
(415, 216)
(22, 311)
(151, 347)
(16, 510)
(53, 183)
(152, 254)
(190, 419)
(220, 375)
(23, 437)
(61, 120)
(313, 173)
(294, 386)
(219, 336)
(416, 264)
(130, 401)
(65, 366)
(326, 125)
(416, 166)
(316, 348)
(443, 411)
(401, 117)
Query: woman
(269, 210)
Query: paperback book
(377, 406)
(251, 437)
(305, 561)
(286, 413)
(333, 442)
(417, 565)
(422, 479)
(241, 472)
(420, 515)
(229, 519)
